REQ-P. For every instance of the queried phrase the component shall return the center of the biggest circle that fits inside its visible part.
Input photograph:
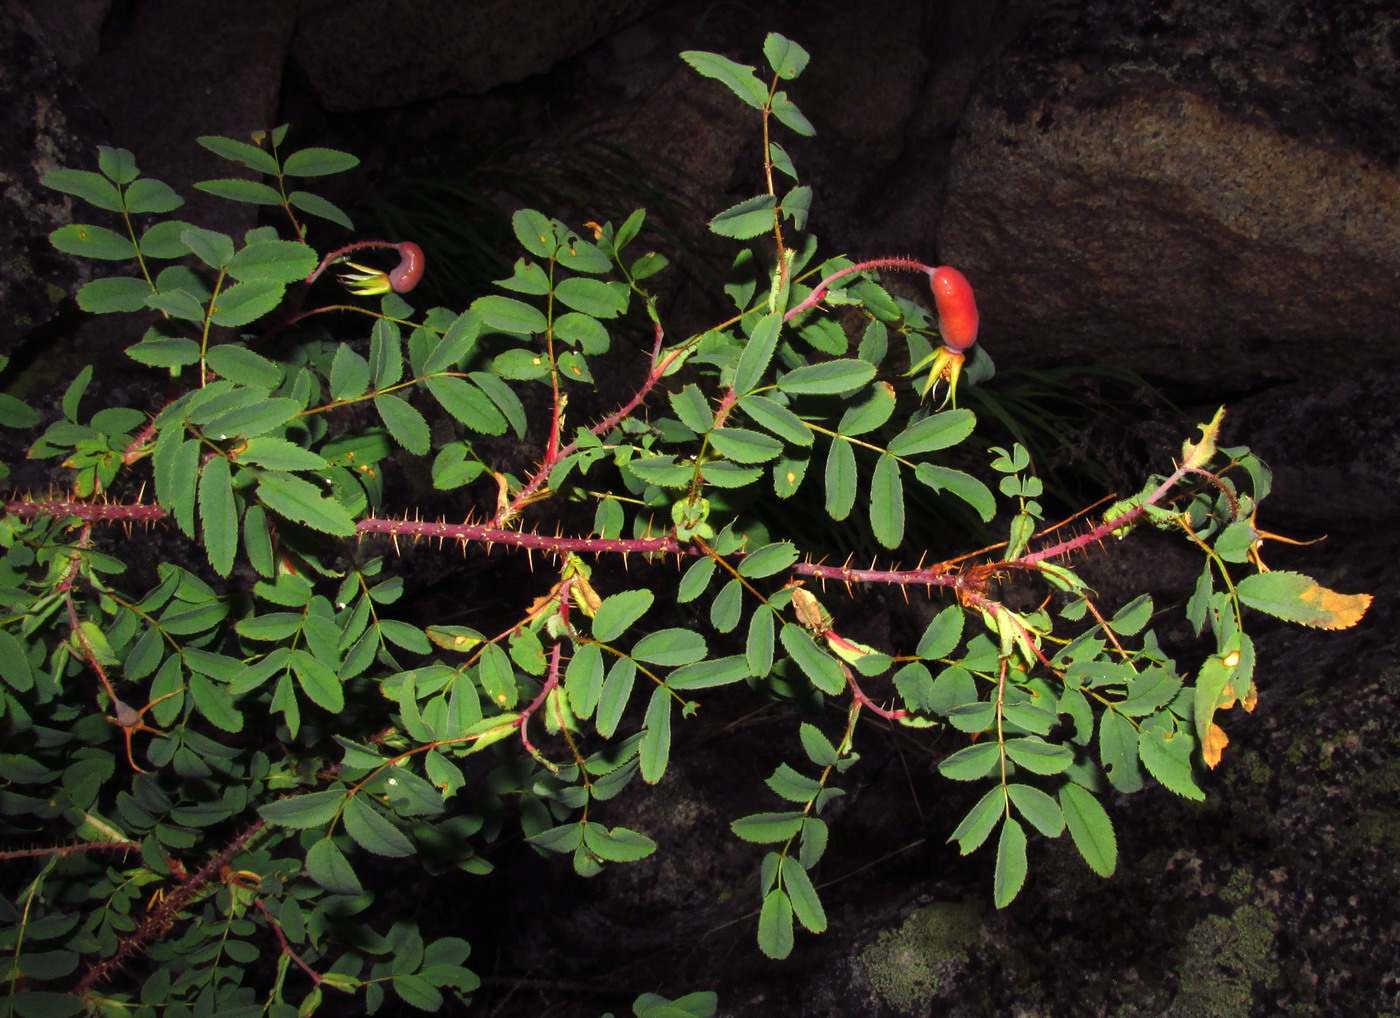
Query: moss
(1225, 958)
(907, 966)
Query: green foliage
(299, 736)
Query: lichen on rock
(907, 966)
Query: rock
(1202, 193)
(45, 123)
(376, 53)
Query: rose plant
(207, 761)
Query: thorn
(394, 536)
(530, 557)
(904, 589)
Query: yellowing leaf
(1215, 742)
(1346, 610)
(1298, 598)
(1198, 454)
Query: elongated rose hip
(410, 270)
(957, 308)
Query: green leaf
(593, 297)
(706, 674)
(791, 117)
(980, 821)
(1130, 619)
(768, 828)
(870, 414)
(282, 261)
(692, 409)
(793, 786)
(93, 242)
(279, 454)
(326, 864)
(236, 189)
(1042, 811)
(1039, 756)
(827, 378)
(300, 501)
(313, 809)
(618, 845)
(405, 423)
(467, 404)
(458, 341)
(318, 681)
(757, 353)
(372, 831)
(243, 366)
(15, 413)
(318, 206)
(497, 677)
(656, 736)
(115, 293)
(940, 431)
(416, 991)
(751, 218)
(257, 419)
(806, 905)
(758, 647)
(1118, 752)
(617, 690)
(964, 486)
(506, 314)
(1294, 597)
(318, 162)
(819, 666)
(162, 240)
(776, 418)
(663, 471)
(117, 164)
(1167, 757)
(943, 635)
(887, 502)
(1010, 874)
(741, 79)
(971, 762)
(583, 331)
(218, 515)
(744, 446)
(840, 479)
(214, 702)
(770, 559)
(93, 188)
(14, 664)
(617, 613)
(240, 152)
(535, 233)
(246, 302)
(583, 679)
(1090, 828)
(505, 399)
(817, 746)
(775, 925)
(787, 59)
(151, 196)
(671, 647)
(696, 580)
(349, 376)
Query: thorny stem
(818, 293)
(285, 945)
(159, 919)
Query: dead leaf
(1346, 609)
(1215, 742)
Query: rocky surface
(1205, 195)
